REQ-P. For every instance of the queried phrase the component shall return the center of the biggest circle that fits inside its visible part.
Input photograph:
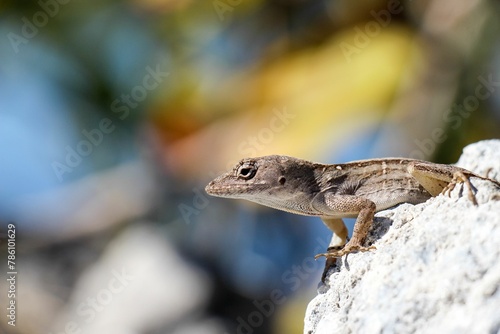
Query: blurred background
(114, 115)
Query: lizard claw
(344, 251)
(317, 256)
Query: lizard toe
(329, 255)
(317, 256)
(367, 249)
(346, 250)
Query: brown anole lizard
(331, 192)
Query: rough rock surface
(436, 268)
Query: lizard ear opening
(246, 171)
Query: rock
(436, 268)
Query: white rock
(436, 268)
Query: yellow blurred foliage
(326, 95)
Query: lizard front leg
(340, 205)
(339, 239)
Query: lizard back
(386, 182)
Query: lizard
(331, 192)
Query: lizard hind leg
(440, 179)
(433, 177)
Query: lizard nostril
(282, 180)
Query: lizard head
(272, 180)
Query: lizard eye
(246, 171)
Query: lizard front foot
(334, 253)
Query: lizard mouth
(233, 190)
